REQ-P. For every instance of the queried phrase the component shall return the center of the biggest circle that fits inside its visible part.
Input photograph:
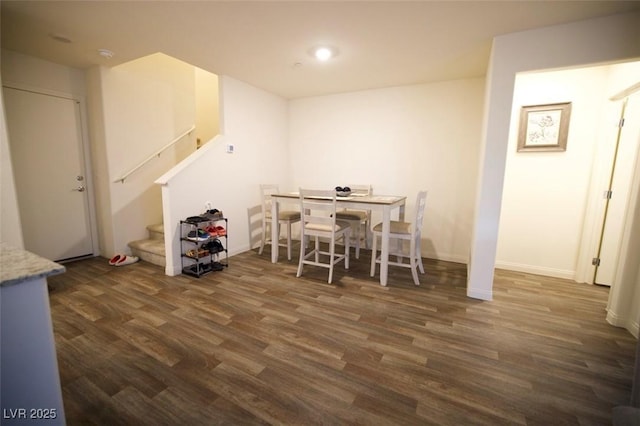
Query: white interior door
(45, 139)
(625, 167)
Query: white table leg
(275, 237)
(384, 252)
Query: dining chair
(358, 219)
(404, 231)
(319, 220)
(285, 217)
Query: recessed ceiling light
(323, 53)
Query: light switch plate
(230, 148)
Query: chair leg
(367, 232)
(264, 236)
(279, 229)
(357, 238)
(414, 270)
(347, 248)
(289, 240)
(413, 261)
(419, 251)
(302, 255)
(332, 253)
(373, 254)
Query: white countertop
(17, 266)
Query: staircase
(151, 249)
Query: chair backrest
(318, 208)
(266, 190)
(361, 189)
(421, 202)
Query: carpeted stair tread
(150, 250)
(149, 245)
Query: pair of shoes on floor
(122, 259)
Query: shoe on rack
(214, 246)
(213, 214)
(199, 235)
(212, 230)
(221, 231)
(197, 254)
(196, 219)
(127, 260)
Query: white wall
(255, 122)
(10, 225)
(592, 41)
(207, 108)
(400, 140)
(134, 109)
(545, 193)
(32, 73)
(40, 74)
(145, 104)
(99, 161)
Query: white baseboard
(631, 326)
(447, 257)
(537, 270)
(172, 272)
(479, 294)
(239, 250)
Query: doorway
(551, 216)
(47, 153)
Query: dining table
(384, 204)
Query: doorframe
(86, 152)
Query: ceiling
(266, 44)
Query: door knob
(80, 189)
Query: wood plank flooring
(253, 344)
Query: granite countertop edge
(18, 266)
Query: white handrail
(155, 154)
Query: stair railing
(154, 155)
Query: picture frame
(544, 127)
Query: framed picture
(544, 127)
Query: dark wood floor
(256, 345)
